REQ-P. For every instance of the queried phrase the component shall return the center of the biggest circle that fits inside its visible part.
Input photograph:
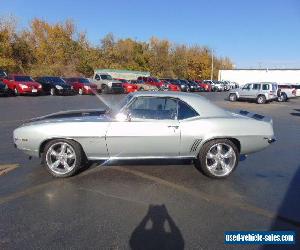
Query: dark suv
(54, 85)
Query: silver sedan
(147, 125)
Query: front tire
(52, 91)
(62, 158)
(232, 97)
(218, 158)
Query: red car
(152, 81)
(82, 85)
(170, 86)
(205, 85)
(128, 87)
(22, 84)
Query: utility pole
(212, 65)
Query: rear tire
(261, 99)
(218, 158)
(62, 158)
(233, 97)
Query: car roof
(199, 103)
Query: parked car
(195, 87)
(182, 86)
(152, 81)
(168, 86)
(262, 92)
(205, 85)
(2, 74)
(4, 90)
(54, 85)
(147, 125)
(287, 91)
(128, 86)
(142, 86)
(106, 84)
(22, 84)
(81, 85)
(218, 86)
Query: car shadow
(296, 113)
(157, 230)
(288, 214)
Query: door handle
(173, 126)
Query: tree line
(60, 49)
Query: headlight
(58, 87)
(23, 86)
(39, 86)
(182, 85)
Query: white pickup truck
(106, 84)
(287, 91)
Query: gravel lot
(114, 205)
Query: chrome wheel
(61, 158)
(220, 159)
(80, 91)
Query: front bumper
(65, 92)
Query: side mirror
(122, 117)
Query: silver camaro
(147, 125)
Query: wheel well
(44, 143)
(235, 141)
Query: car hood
(71, 116)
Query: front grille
(195, 145)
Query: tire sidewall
(201, 159)
(262, 98)
(78, 152)
(232, 97)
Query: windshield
(84, 80)
(55, 80)
(106, 77)
(23, 79)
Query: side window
(256, 86)
(266, 87)
(97, 77)
(154, 108)
(185, 111)
(247, 86)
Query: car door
(254, 90)
(152, 132)
(245, 91)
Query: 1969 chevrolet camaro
(147, 125)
